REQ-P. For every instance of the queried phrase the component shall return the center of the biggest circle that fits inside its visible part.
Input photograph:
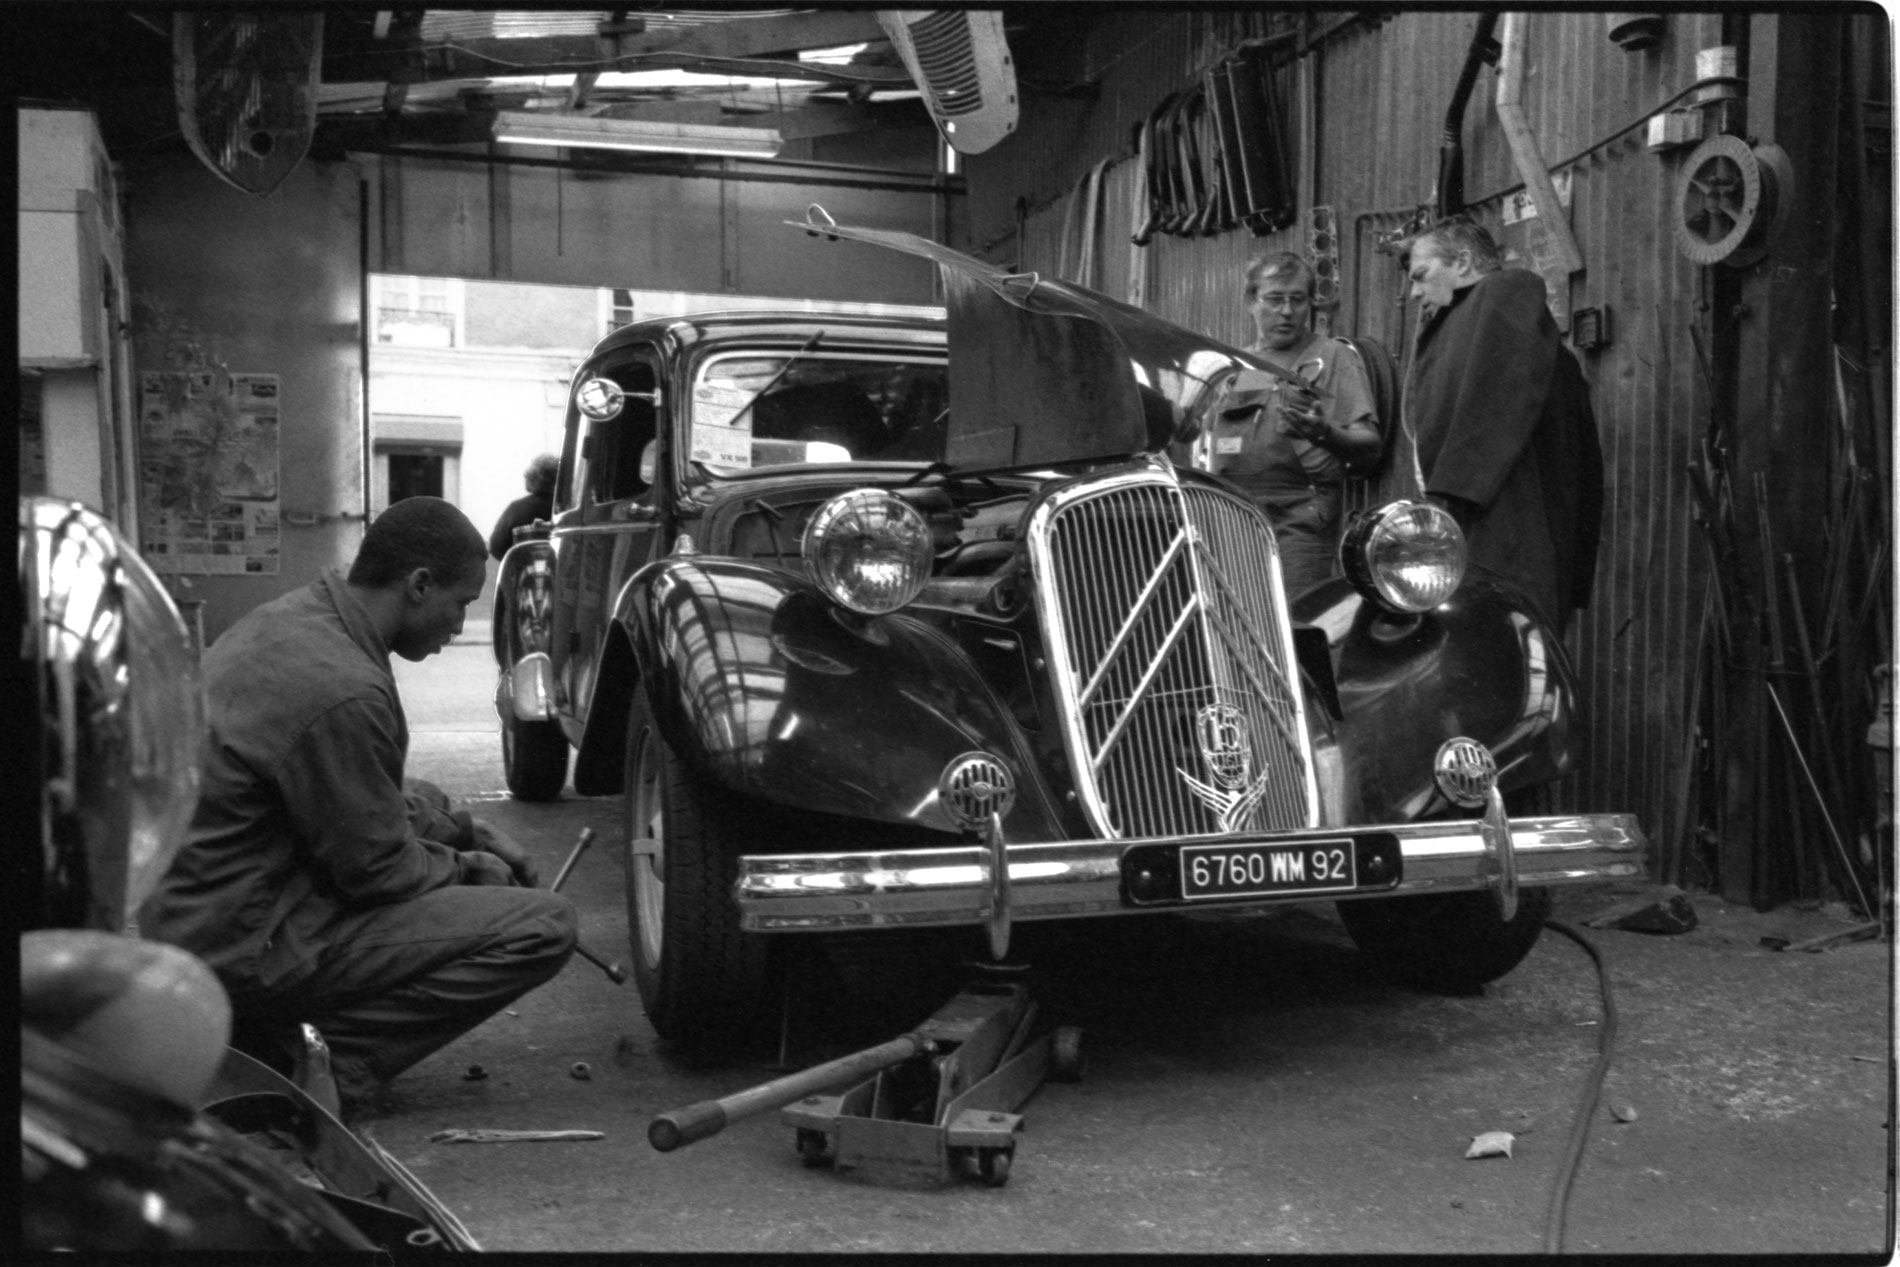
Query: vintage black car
(884, 624)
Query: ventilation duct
(961, 63)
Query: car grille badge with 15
(1226, 749)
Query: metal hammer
(615, 973)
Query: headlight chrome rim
(121, 705)
(869, 550)
(1405, 556)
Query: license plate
(1311, 866)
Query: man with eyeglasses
(1291, 450)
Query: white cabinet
(74, 362)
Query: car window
(751, 411)
(605, 467)
(614, 456)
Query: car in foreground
(900, 624)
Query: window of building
(422, 312)
(620, 309)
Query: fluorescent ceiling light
(588, 132)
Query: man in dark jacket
(316, 884)
(522, 511)
(1507, 441)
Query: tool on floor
(573, 856)
(615, 973)
(938, 1101)
(513, 1137)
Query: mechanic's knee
(550, 918)
(430, 793)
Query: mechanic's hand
(491, 839)
(1300, 416)
(479, 868)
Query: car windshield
(753, 411)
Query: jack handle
(695, 1122)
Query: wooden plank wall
(1382, 92)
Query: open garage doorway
(468, 381)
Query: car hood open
(1045, 371)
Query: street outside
(1251, 1085)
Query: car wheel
(533, 758)
(705, 984)
(1448, 942)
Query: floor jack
(927, 1107)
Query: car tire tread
(707, 992)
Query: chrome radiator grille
(1173, 659)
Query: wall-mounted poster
(209, 458)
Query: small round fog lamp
(1404, 556)
(869, 550)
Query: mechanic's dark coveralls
(316, 886)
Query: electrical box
(1673, 128)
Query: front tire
(533, 757)
(1450, 943)
(704, 983)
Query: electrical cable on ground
(1592, 1091)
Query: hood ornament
(1227, 749)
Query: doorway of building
(414, 475)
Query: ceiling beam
(752, 46)
(763, 36)
(401, 31)
(835, 120)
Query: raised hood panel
(1044, 371)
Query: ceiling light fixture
(656, 135)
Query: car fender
(762, 685)
(1481, 665)
(524, 607)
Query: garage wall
(1367, 101)
(531, 223)
(261, 285)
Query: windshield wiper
(772, 382)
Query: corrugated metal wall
(1381, 95)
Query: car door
(609, 526)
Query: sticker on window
(716, 440)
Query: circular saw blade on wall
(246, 86)
(961, 62)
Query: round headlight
(1405, 556)
(869, 550)
(122, 714)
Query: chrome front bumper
(814, 892)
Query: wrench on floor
(512, 1137)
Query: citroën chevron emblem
(1228, 752)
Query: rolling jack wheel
(812, 1148)
(993, 1165)
(1067, 1063)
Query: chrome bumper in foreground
(814, 892)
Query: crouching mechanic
(316, 884)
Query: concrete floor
(1252, 1086)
